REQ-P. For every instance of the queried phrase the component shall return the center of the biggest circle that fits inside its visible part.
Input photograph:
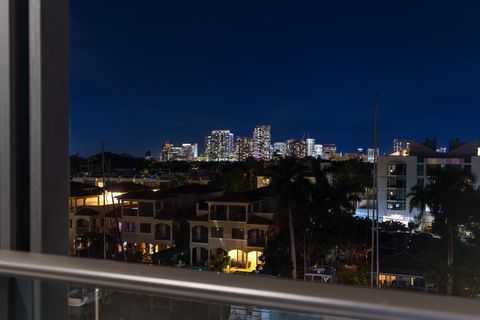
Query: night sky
(145, 71)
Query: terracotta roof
(259, 220)
(126, 187)
(192, 189)
(87, 212)
(146, 195)
(199, 218)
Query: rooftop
(146, 195)
(79, 189)
(126, 187)
(192, 189)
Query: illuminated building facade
(262, 142)
(219, 146)
(318, 151)
(400, 145)
(310, 147)
(280, 149)
(243, 148)
(329, 151)
(296, 148)
(398, 173)
(166, 153)
(184, 152)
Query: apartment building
(235, 224)
(400, 171)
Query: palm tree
(291, 189)
(449, 195)
(419, 197)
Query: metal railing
(288, 295)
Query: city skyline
(312, 68)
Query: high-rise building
(243, 148)
(219, 146)
(310, 147)
(189, 151)
(185, 152)
(318, 151)
(262, 142)
(280, 149)
(296, 148)
(371, 155)
(400, 145)
(166, 153)
(329, 151)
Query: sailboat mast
(104, 206)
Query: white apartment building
(400, 171)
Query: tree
(292, 192)
(449, 194)
(219, 260)
(419, 196)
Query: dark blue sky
(146, 71)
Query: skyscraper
(310, 147)
(280, 148)
(296, 148)
(243, 148)
(261, 142)
(166, 153)
(329, 151)
(219, 146)
(189, 151)
(318, 150)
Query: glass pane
(87, 303)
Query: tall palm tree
(449, 195)
(291, 189)
(419, 197)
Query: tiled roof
(145, 195)
(259, 220)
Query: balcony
(200, 238)
(115, 290)
(256, 242)
(237, 216)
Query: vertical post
(16, 294)
(375, 164)
(48, 32)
